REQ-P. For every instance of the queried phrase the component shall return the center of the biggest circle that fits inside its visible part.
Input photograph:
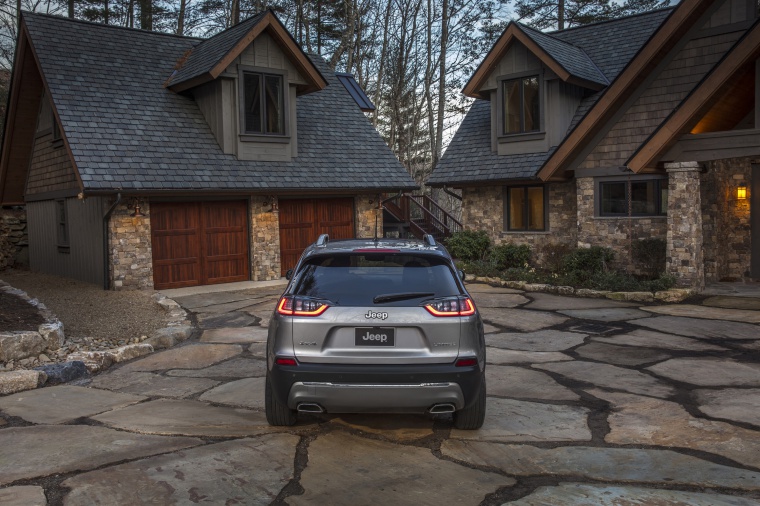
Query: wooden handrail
(404, 207)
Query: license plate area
(375, 336)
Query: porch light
(741, 192)
(136, 205)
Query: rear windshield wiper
(390, 297)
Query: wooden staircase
(417, 215)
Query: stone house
(642, 127)
(147, 160)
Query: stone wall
(129, 245)
(483, 209)
(615, 233)
(726, 219)
(265, 240)
(14, 241)
(367, 216)
(685, 258)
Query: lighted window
(647, 197)
(521, 105)
(525, 210)
(264, 104)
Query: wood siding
(715, 146)
(51, 168)
(659, 99)
(731, 12)
(517, 59)
(303, 220)
(216, 102)
(264, 52)
(199, 243)
(84, 259)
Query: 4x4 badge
(375, 316)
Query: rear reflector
(453, 306)
(466, 362)
(285, 361)
(297, 306)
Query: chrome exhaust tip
(309, 407)
(442, 408)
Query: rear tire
(472, 417)
(278, 414)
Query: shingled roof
(609, 45)
(128, 133)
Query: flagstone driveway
(590, 401)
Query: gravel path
(87, 310)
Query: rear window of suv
(356, 279)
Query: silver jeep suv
(376, 326)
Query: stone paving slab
(709, 372)
(549, 302)
(750, 345)
(751, 303)
(610, 376)
(187, 418)
(513, 420)
(244, 471)
(23, 495)
(620, 355)
(150, 384)
(262, 312)
(349, 470)
(258, 350)
(491, 300)
(577, 494)
(247, 392)
(235, 335)
(393, 427)
(489, 329)
(544, 340)
(500, 356)
(42, 450)
(217, 321)
(235, 368)
(520, 319)
(706, 312)
(474, 288)
(638, 420)
(229, 307)
(602, 464)
(611, 314)
(521, 383)
(60, 404)
(193, 356)
(703, 329)
(652, 339)
(202, 300)
(736, 404)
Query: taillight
(300, 306)
(285, 361)
(466, 362)
(452, 306)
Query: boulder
(94, 361)
(674, 294)
(52, 334)
(20, 345)
(64, 372)
(130, 351)
(595, 294)
(169, 336)
(18, 381)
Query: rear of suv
(376, 326)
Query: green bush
(468, 245)
(588, 260)
(552, 255)
(649, 255)
(479, 268)
(510, 256)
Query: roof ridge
(207, 39)
(622, 18)
(102, 25)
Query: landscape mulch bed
(18, 314)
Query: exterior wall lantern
(271, 202)
(741, 192)
(136, 205)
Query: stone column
(265, 239)
(685, 259)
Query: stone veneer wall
(483, 209)
(129, 244)
(265, 241)
(14, 240)
(685, 258)
(615, 233)
(367, 215)
(726, 219)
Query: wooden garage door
(303, 220)
(199, 243)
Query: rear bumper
(376, 388)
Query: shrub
(509, 256)
(588, 260)
(468, 245)
(552, 254)
(479, 268)
(649, 256)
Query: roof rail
(322, 240)
(428, 239)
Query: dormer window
(263, 101)
(521, 105)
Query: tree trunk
(383, 55)
(429, 79)
(130, 14)
(71, 8)
(561, 15)
(105, 11)
(235, 15)
(146, 14)
(181, 17)
(442, 82)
